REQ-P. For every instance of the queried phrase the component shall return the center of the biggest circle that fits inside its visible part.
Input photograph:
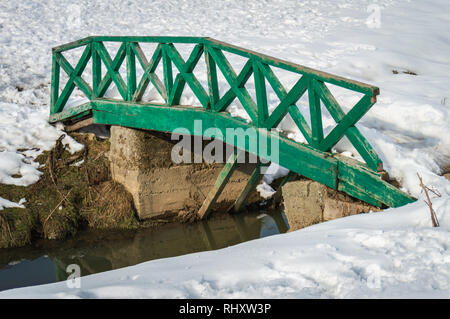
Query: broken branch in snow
(434, 219)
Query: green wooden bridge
(313, 160)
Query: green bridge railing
(260, 67)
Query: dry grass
(110, 206)
(67, 197)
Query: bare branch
(434, 219)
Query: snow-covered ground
(391, 254)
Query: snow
(395, 253)
(24, 134)
(265, 190)
(390, 254)
(4, 203)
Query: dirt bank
(75, 191)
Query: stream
(97, 251)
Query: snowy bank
(391, 254)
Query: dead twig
(434, 191)
(5, 220)
(54, 209)
(434, 219)
(53, 157)
(50, 168)
(71, 159)
(98, 156)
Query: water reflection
(98, 251)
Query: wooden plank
(78, 125)
(70, 113)
(274, 82)
(350, 119)
(131, 72)
(168, 73)
(294, 156)
(75, 74)
(231, 77)
(113, 72)
(154, 39)
(286, 179)
(293, 111)
(261, 95)
(140, 54)
(254, 179)
(213, 85)
(315, 113)
(221, 182)
(72, 45)
(149, 75)
(358, 193)
(371, 185)
(116, 64)
(353, 134)
(81, 115)
(230, 95)
(291, 98)
(301, 123)
(364, 149)
(96, 71)
(289, 66)
(74, 78)
(177, 90)
(297, 68)
(353, 162)
(186, 76)
(54, 90)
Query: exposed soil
(69, 197)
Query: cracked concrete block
(141, 161)
(307, 202)
(303, 202)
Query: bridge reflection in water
(101, 251)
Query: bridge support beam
(336, 172)
(254, 179)
(218, 187)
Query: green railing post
(315, 113)
(213, 85)
(168, 74)
(261, 95)
(113, 67)
(131, 72)
(149, 73)
(54, 93)
(96, 70)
